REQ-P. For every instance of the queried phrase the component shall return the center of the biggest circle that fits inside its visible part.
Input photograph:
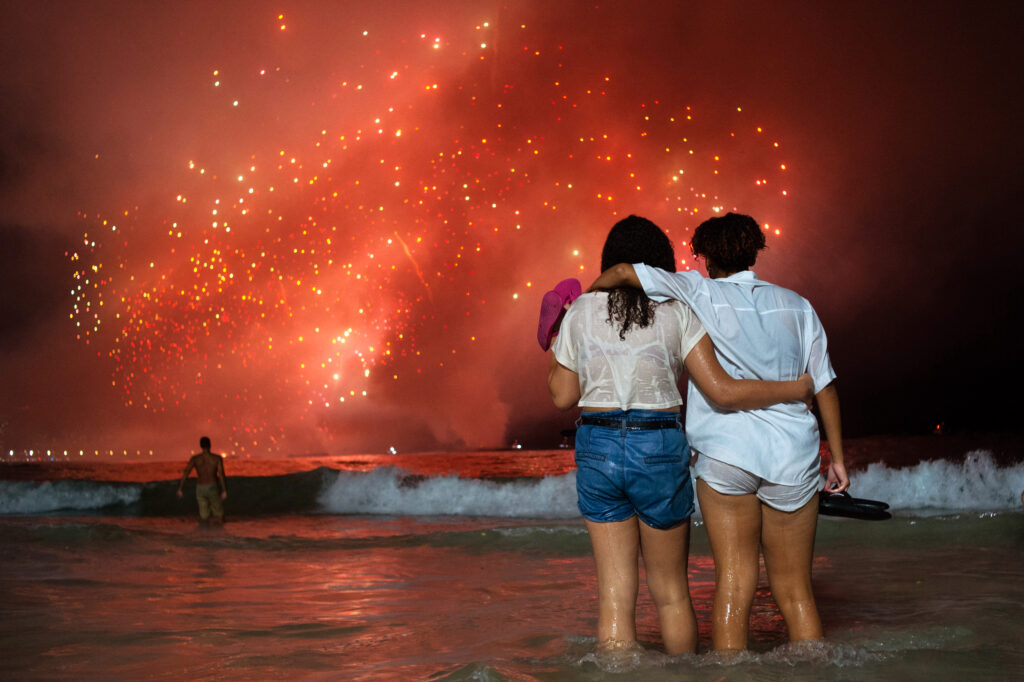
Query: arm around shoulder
(621, 275)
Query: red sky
(421, 173)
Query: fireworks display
(326, 227)
(303, 269)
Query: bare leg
(616, 549)
(666, 554)
(788, 539)
(734, 529)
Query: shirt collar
(746, 277)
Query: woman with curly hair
(758, 471)
(619, 356)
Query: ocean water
(476, 566)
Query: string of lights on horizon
(361, 250)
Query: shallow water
(328, 597)
(471, 567)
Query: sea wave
(391, 491)
(975, 483)
(24, 497)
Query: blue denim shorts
(621, 472)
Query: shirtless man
(209, 468)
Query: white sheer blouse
(640, 372)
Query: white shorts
(732, 480)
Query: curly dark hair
(730, 242)
(635, 240)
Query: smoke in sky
(328, 226)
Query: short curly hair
(635, 240)
(730, 242)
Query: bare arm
(740, 394)
(621, 275)
(222, 479)
(564, 385)
(828, 407)
(188, 469)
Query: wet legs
(734, 528)
(788, 542)
(616, 549)
(666, 555)
(738, 527)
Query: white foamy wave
(25, 497)
(391, 491)
(977, 483)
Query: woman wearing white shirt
(757, 471)
(620, 356)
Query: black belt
(628, 425)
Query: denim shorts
(621, 472)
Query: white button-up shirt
(760, 331)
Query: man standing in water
(209, 468)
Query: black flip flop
(841, 504)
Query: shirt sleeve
(565, 346)
(819, 366)
(660, 285)
(692, 330)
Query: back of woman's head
(635, 240)
(638, 240)
(731, 241)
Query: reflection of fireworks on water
(308, 274)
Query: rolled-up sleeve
(819, 365)
(660, 285)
